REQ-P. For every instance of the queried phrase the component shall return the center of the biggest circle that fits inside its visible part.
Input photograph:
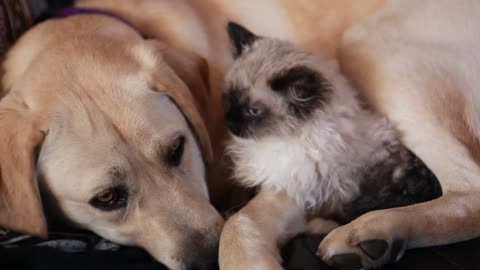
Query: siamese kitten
(299, 127)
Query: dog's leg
(251, 238)
(382, 236)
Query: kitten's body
(309, 136)
(321, 164)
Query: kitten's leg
(251, 238)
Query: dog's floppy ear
(188, 86)
(20, 203)
(193, 70)
(240, 37)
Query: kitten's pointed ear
(240, 37)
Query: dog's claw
(375, 243)
(398, 247)
(375, 249)
(349, 261)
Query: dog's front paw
(370, 241)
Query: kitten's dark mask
(302, 88)
(241, 117)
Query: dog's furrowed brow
(117, 174)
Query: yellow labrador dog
(110, 129)
(112, 124)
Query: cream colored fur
(318, 162)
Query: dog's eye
(107, 197)
(255, 111)
(175, 152)
(110, 199)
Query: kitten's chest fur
(323, 165)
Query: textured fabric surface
(299, 254)
(16, 16)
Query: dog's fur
(80, 83)
(97, 115)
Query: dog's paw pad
(375, 249)
(349, 261)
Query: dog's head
(105, 128)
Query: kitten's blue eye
(255, 111)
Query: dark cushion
(299, 254)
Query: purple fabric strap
(67, 12)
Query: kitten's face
(272, 87)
